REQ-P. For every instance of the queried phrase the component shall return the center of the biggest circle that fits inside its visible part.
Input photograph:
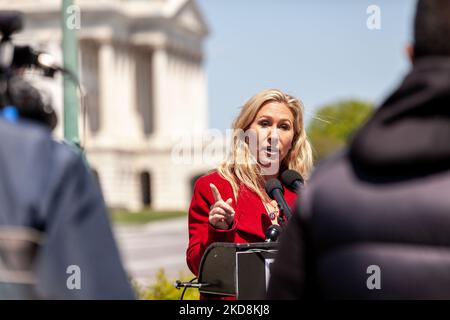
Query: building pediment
(188, 16)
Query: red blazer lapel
(251, 214)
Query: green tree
(333, 125)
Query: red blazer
(251, 218)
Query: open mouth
(270, 151)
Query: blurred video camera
(18, 98)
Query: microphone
(272, 233)
(25, 56)
(10, 22)
(292, 179)
(275, 191)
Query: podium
(241, 270)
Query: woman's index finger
(216, 193)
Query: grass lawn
(143, 216)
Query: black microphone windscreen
(23, 56)
(276, 227)
(273, 184)
(273, 232)
(289, 176)
(10, 22)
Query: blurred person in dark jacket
(374, 220)
(55, 237)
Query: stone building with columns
(141, 65)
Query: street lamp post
(70, 60)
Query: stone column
(106, 90)
(160, 92)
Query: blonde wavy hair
(241, 166)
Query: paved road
(147, 248)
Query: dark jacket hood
(410, 132)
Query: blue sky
(319, 51)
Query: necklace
(272, 210)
